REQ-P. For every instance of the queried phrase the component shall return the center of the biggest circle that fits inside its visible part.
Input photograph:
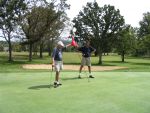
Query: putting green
(108, 92)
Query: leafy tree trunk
(30, 51)
(49, 48)
(122, 55)
(10, 49)
(41, 50)
(49, 51)
(10, 13)
(148, 52)
(100, 56)
(136, 53)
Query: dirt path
(71, 67)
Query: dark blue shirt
(86, 51)
(57, 54)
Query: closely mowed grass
(133, 63)
(29, 91)
(109, 92)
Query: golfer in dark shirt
(86, 57)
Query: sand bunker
(72, 67)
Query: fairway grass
(109, 92)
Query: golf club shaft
(51, 76)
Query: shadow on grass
(109, 63)
(147, 58)
(93, 64)
(40, 87)
(116, 62)
(84, 76)
(144, 64)
(73, 78)
(104, 64)
(13, 62)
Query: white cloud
(76, 6)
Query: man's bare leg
(90, 75)
(80, 70)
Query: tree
(36, 24)
(144, 33)
(1, 48)
(145, 25)
(100, 23)
(16, 47)
(143, 46)
(10, 13)
(39, 22)
(53, 34)
(125, 41)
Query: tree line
(106, 29)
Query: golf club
(51, 76)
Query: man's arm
(93, 49)
(78, 49)
(64, 48)
(68, 45)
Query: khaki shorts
(58, 65)
(86, 61)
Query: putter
(51, 76)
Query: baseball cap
(60, 43)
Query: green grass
(118, 91)
(109, 92)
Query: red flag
(73, 43)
